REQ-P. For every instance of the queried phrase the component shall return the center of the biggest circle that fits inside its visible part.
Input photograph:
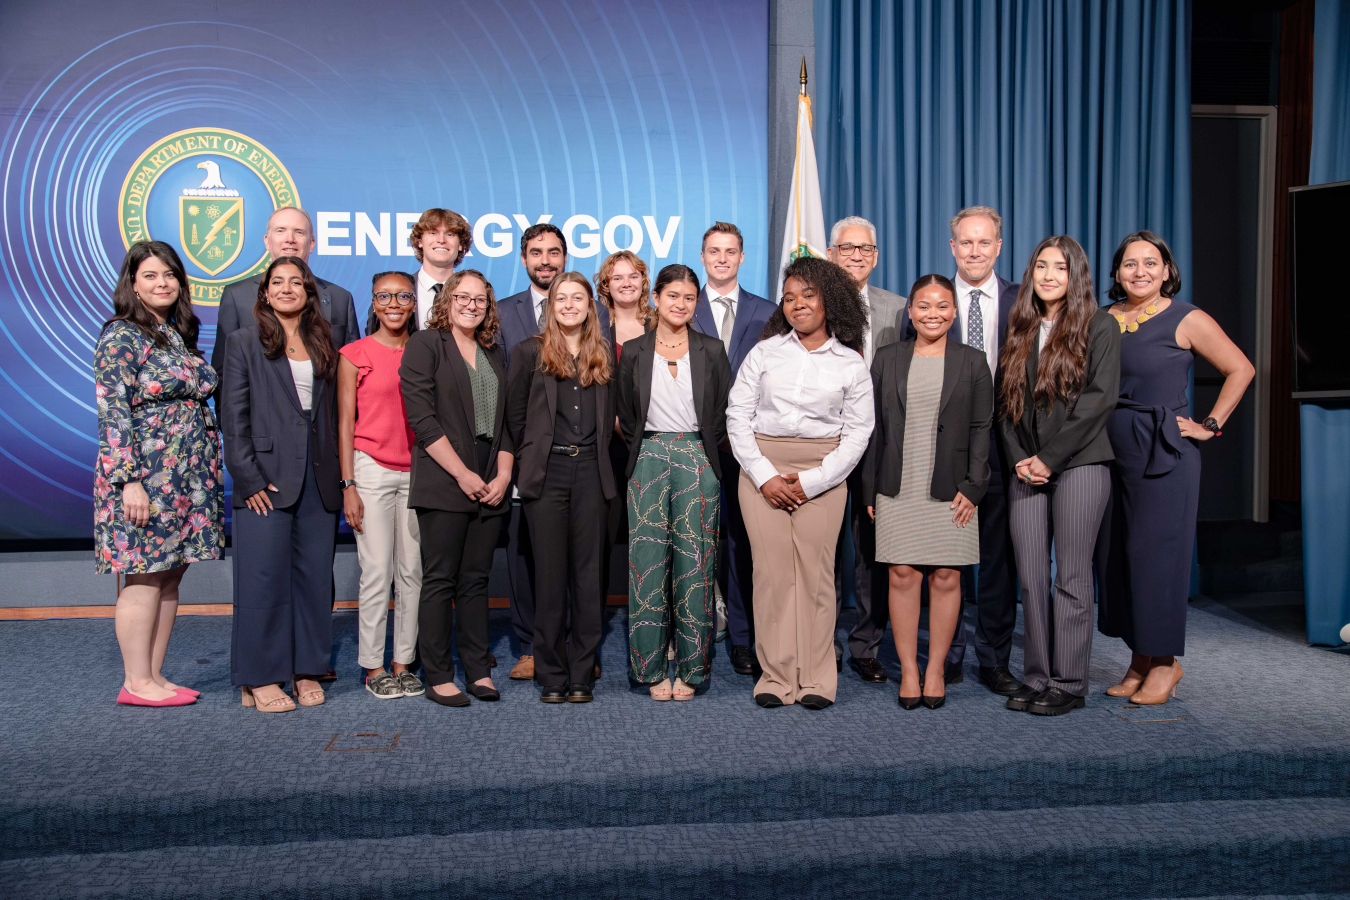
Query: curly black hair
(845, 317)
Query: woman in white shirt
(799, 420)
(673, 386)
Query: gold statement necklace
(1149, 312)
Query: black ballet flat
(908, 702)
(933, 702)
(768, 701)
(486, 694)
(456, 700)
(815, 701)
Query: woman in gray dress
(927, 467)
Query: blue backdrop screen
(628, 123)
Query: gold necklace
(1149, 312)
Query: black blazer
(438, 398)
(710, 371)
(531, 408)
(964, 414)
(1070, 435)
(267, 437)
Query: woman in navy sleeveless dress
(1147, 538)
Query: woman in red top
(375, 444)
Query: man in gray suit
(853, 246)
(289, 233)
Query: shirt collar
(536, 297)
(988, 289)
(425, 281)
(734, 295)
(827, 347)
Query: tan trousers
(389, 550)
(793, 556)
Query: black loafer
(952, 673)
(768, 701)
(1021, 699)
(456, 700)
(815, 701)
(742, 660)
(485, 694)
(579, 694)
(869, 670)
(551, 695)
(999, 680)
(1055, 702)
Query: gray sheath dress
(913, 528)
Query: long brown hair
(127, 307)
(555, 358)
(439, 317)
(315, 332)
(1059, 371)
(646, 313)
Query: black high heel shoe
(908, 702)
(933, 702)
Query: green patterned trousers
(673, 504)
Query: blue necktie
(975, 322)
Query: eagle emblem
(211, 221)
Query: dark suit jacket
(1072, 434)
(752, 312)
(1007, 296)
(266, 432)
(964, 413)
(710, 372)
(439, 400)
(236, 311)
(531, 408)
(518, 320)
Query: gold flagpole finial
(803, 73)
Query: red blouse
(381, 422)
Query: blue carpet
(1240, 787)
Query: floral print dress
(154, 427)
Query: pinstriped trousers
(1058, 617)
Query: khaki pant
(389, 551)
(793, 557)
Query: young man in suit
(543, 253)
(439, 241)
(983, 301)
(736, 317)
(853, 247)
(289, 233)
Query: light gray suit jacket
(889, 319)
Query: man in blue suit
(736, 317)
(543, 253)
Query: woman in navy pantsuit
(280, 424)
(1144, 549)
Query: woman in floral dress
(158, 494)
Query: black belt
(584, 451)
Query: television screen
(1321, 312)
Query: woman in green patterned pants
(673, 385)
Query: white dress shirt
(426, 296)
(868, 352)
(302, 373)
(1046, 326)
(988, 309)
(671, 404)
(539, 300)
(785, 390)
(718, 310)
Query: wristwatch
(1212, 424)
(347, 482)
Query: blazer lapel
(497, 367)
(459, 376)
(742, 327)
(902, 361)
(551, 395)
(951, 365)
(281, 367)
(325, 299)
(645, 361)
(703, 316)
(698, 376)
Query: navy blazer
(267, 435)
(236, 311)
(752, 314)
(518, 322)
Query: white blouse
(1046, 326)
(785, 390)
(302, 373)
(671, 405)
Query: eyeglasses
(867, 250)
(466, 301)
(402, 298)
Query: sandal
(313, 697)
(275, 705)
(681, 691)
(661, 690)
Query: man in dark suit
(853, 247)
(983, 302)
(543, 253)
(289, 233)
(736, 317)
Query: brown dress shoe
(523, 670)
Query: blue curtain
(1325, 427)
(1067, 116)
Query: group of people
(960, 437)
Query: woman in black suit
(280, 421)
(926, 470)
(673, 386)
(560, 411)
(454, 389)
(1058, 381)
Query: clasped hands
(1032, 471)
(489, 493)
(784, 491)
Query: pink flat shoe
(127, 698)
(189, 691)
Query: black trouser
(457, 551)
(996, 584)
(520, 572)
(567, 524)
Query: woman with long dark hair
(560, 408)
(1144, 552)
(158, 490)
(280, 415)
(799, 419)
(672, 385)
(1058, 378)
(454, 387)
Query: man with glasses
(853, 247)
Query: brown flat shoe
(523, 670)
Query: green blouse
(483, 381)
